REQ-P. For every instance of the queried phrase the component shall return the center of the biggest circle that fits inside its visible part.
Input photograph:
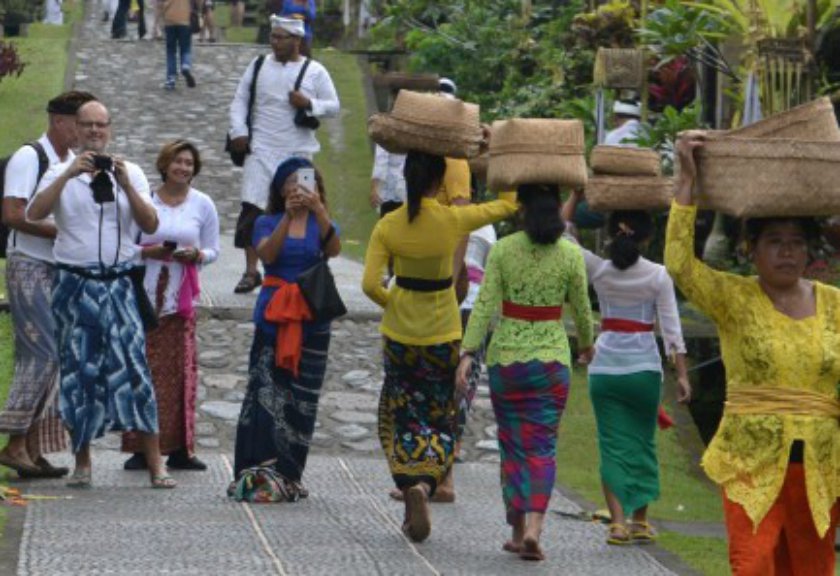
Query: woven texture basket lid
(428, 123)
(536, 151)
(625, 161)
(812, 121)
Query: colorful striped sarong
(105, 380)
(31, 408)
(417, 411)
(278, 414)
(173, 359)
(528, 400)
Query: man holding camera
(30, 417)
(99, 203)
(290, 93)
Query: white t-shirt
(192, 224)
(274, 135)
(630, 130)
(21, 178)
(478, 248)
(77, 218)
(388, 171)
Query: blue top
(297, 255)
(308, 13)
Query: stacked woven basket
(785, 165)
(627, 179)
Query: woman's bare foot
(441, 496)
(418, 520)
(531, 549)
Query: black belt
(105, 275)
(423, 285)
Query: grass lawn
(346, 158)
(706, 555)
(239, 34)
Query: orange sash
(288, 309)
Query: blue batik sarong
(105, 383)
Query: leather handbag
(317, 285)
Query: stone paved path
(348, 526)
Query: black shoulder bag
(317, 285)
(238, 158)
(302, 119)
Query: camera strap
(301, 74)
(119, 227)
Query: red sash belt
(622, 325)
(288, 309)
(531, 313)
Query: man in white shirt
(274, 134)
(387, 183)
(30, 417)
(627, 124)
(99, 203)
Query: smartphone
(306, 179)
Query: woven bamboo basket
(625, 161)
(619, 68)
(428, 123)
(769, 177)
(814, 121)
(629, 192)
(536, 151)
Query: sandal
(419, 522)
(642, 532)
(531, 550)
(248, 282)
(45, 470)
(16, 465)
(163, 482)
(81, 478)
(618, 535)
(440, 497)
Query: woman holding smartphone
(289, 352)
(187, 238)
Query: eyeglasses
(89, 125)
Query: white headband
(627, 109)
(293, 26)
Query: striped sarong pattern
(528, 401)
(105, 379)
(31, 407)
(417, 412)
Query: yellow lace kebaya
(763, 351)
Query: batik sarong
(172, 356)
(528, 400)
(31, 407)
(625, 411)
(417, 411)
(278, 414)
(105, 380)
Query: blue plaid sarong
(105, 383)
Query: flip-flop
(617, 535)
(512, 547)
(642, 532)
(248, 283)
(163, 482)
(80, 479)
(531, 550)
(16, 465)
(417, 506)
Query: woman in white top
(187, 238)
(625, 373)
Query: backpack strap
(43, 165)
(252, 95)
(301, 74)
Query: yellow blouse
(456, 182)
(761, 347)
(423, 249)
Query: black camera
(304, 120)
(102, 187)
(103, 162)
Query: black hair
(423, 173)
(754, 227)
(627, 229)
(541, 212)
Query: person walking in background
(176, 29)
(281, 125)
(290, 350)
(421, 328)
(52, 12)
(627, 119)
(186, 239)
(99, 202)
(31, 417)
(119, 24)
(237, 12)
(208, 16)
(625, 375)
(529, 276)
(774, 454)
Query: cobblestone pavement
(348, 526)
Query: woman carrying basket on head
(529, 276)
(777, 450)
(422, 328)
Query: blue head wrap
(286, 169)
